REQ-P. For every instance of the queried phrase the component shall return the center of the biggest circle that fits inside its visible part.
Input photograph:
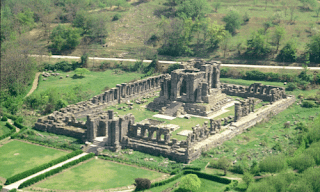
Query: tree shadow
(139, 2)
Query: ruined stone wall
(257, 90)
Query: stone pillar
(237, 111)
(150, 134)
(91, 129)
(199, 92)
(205, 89)
(158, 135)
(167, 137)
(110, 114)
(124, 90)
(118, 92)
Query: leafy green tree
(302, 162)
(233, 21)
(190, 182)
(80, 19)
(289, 52)
(225, 43)
(64, 37)
(317, 10)
(177, 39)
(95, 28)
(25, 19)
(81, 71)
(216, 33)
(257, 45)
(313, 48)
(247, 178)
(278, 35)
(224, 163)
(193, 9)
(308, 4)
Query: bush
(4, 118)
(255, 75)
(32, 171)
(233, 21)
(18, 125)
(173, 67)
(116, 17)
(309, 104)
(302, 162)
(64, 38)
(54, 171)
(190, 182)
(288, 53)
(291, 86)
(142, 184)
(272, 164)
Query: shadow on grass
(75, 76)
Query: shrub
(302, 162)
(255, 75)
(309, 104)
(190, 182)
(288, 53)
(64, 38)
(4, 118)
(291, 86)
(32, 171)
(116, 17)
(272, 164)
(142, 184)
(233, 21)
(173, 67)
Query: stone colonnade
(128, 91)
(243, 108)
(147, 132)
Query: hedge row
(199, 174)
(139, 164)
(32, 171)
(18, 125)
(54, 171)
(12, 130)
(13, 117)
(4, 118)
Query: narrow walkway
(16, 184)
(34, 85)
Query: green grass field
(93, 82)
(17, 156)
(3, 128)
(97, 174)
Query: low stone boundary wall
(244, 123)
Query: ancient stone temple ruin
(193, 89)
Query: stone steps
(173, 108)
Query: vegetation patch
(97, 174)
(17, 157)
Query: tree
(289, 52)
(224, 163)
(313, 48)
(224, 44)
(247, 178)
(95, 28)
(193, 9)
(142, 183)
(216, 33)
(266, 2)
(307, 4)
(81, 71)
(216, 5)
(317, 10)
(190, 182)
(293, 8)
(284, 4)
(257, 46)
(233, 21)
(278, 35)
(64, 37)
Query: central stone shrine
(193, 89)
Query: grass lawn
(17, 156)
(3, 128)
(97, 174)
(93, 82)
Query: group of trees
(191, 33)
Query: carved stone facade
(196, 85)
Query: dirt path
(34, 85)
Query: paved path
(172, 62)
(16, 184)
(34, 85)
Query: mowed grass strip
(17, 156)
(97, 174)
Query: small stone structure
(195, 88)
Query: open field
(97, 174)
(17, 156)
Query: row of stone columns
(146, 129)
